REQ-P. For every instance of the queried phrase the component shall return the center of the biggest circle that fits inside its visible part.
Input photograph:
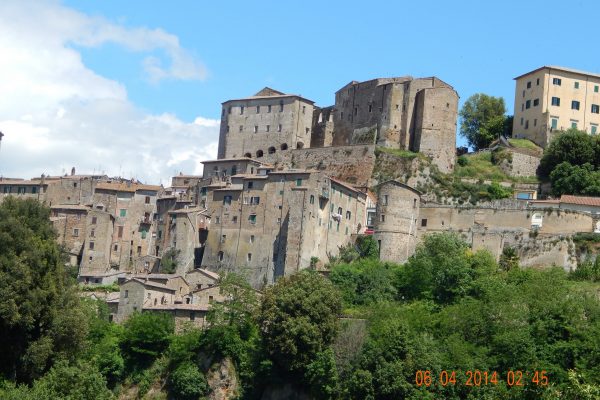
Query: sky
(134, 88)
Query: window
(7, 189)
(93, 233)
(382, 217)
(75, 232)
(312, 199)
(21, 190)
(271, 150)
(229, 110)
(299, 182)
(522, 107)
(385, 200)
(223, 238)
(303, 109)
(268, 128)
(33, 190)
(556, 81)
(576, 85)
(120, 232)
(529, 85)
(250, 185)
(537, 82)
(258, 109)
(522, 121)
(307, 130)
(227, 200)
(355, 110)
(424, 222)
(596, 89)
(528, 104)
(281, 106)
(595, 109)
(116, 248)
(574, 105)
(91, 245)
(249, 257)
(574, 124)
(252, 218)
(340, 211)
(139, 250)
(554, 123)
(255, 128)
(348, 215)
(94, 220)
(241, 128)
(126, 293)
(251, 238)
(241, 110)
(220, 256)
(254, 200)
(527, 124)
(536, 102)
(370, 107)
(259, 153)
(535, 122)
(594, 129)
(523, 94)
(217, 220)
(269, 108)
(123, 212)
(556, 101)
(279, 128)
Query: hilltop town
(295, 182)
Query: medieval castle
(293, 182)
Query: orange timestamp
(478, 378)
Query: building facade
(551, 99)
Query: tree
(575, 179)
(168, 262)
(509, 259)
(187, 382)
(482, 120)
(40, 315)
(299, 319)
(145, 337)
(574, 147)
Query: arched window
(348, 215)
(248, 155)
(339, 210)
(259, 154)
(284, 146)
(299, 145)
(271, 150)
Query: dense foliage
(362, 333)
(572, 162)
(482, 120)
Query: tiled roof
(191, 307)
(206, 272)
(580, 200)
(152, 284)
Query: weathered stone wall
(255, 132)
(352, 164)
(395, 225)
(98, 230)
(435, 126)
(70, 225)
(517, 163)
(322, 135)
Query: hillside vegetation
(447, 309)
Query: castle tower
(396, 223)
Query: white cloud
(57, 113)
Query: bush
(187, 382)
(146, 336)
(462, 161)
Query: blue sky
(165, 67)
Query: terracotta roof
(21, 182)
(581, 200)
(126, 187)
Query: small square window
(529, 85)
(123, 212)
(91, 245)
(536, 102)
(556, 101)
(75, 232)
(576, 85)
(594, 129)
(574, 105)
(94, 220)
(252, 218)
(554, 123)
(595, 109)
(574, 124)
(250, 185)
(596, 89)
(424, 220)
(556, 81)
(299, 182)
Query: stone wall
(518, 163)
(352, 164)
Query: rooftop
(558, 68)
(126, 186)
(580, 200)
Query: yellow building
(551, 99)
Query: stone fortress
(293, 183)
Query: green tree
(299, 319)
(145, 337)
(482, 120)
(509, 259)
(71, 382)
(40, 316)
(573, 147)
(187, 382)
(168, 262)
(575, 179)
